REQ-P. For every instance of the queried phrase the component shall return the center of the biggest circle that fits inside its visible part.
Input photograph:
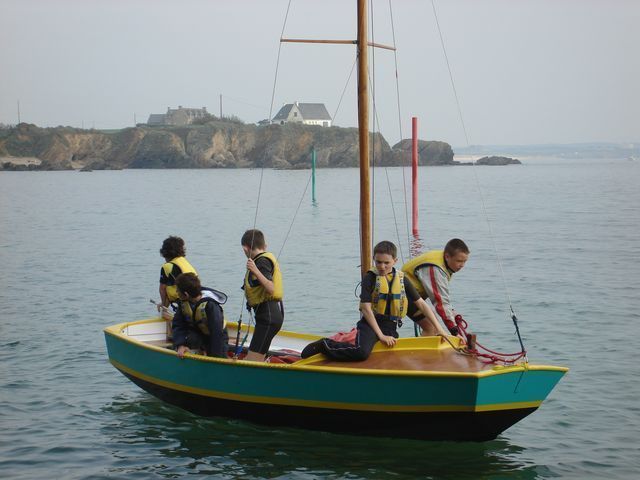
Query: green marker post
(313, 175)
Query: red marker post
(414, 174)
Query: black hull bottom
(457, 426)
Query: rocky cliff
(216, 144)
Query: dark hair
(386, 247)
(172, 247)
(189, 283)
(253, 239)
(454, 246)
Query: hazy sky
(526, 71)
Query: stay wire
(376, 128)
(273, 96)
(372, 138)
(346, 85)
(482, 200)
(376, 123)
(386, 171)
(295, 215)
(275, 78)
(404, 179)
(453, 84)
(255, 217)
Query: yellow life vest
(198, 315)
(184, 266)
(432, 257)
(383, 293)
(257, 295)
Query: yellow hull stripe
(323, 404)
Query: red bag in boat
(347, 337)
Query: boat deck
(410, 354)
(427, 359)
(447, 360)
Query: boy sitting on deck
(199, 322)
(384, 299)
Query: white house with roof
(306, 113)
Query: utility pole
(220, 106)
(18, 112)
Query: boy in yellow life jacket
(173, 251)
(264, 292)
(430, 273)
(384, 300)
(199, 322)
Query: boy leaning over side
(384, 300)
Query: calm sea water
(79, 251)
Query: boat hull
(437, 425)
(421, 405)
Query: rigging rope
(294, 216)
(404, 180)
(484, 208)
(386, 170)
(346, 85)
(376, 126)
(453, 85)
(275, 79)
(255, 217)
(372, 145)
(491, 356)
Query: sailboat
(424, 388)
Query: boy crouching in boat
(384, 299)
(264, 292)
(199, 322)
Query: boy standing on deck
(264, 292)
(173, 251)
(384, 299)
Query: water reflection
(148, 435)
(416, 245)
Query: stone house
(306, 113)
(177, 116)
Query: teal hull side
(523, 386)
(309, 387)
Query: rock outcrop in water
(494, 160)
(429, 153)
(216, 144)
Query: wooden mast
(363, 126)
(363, 129)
